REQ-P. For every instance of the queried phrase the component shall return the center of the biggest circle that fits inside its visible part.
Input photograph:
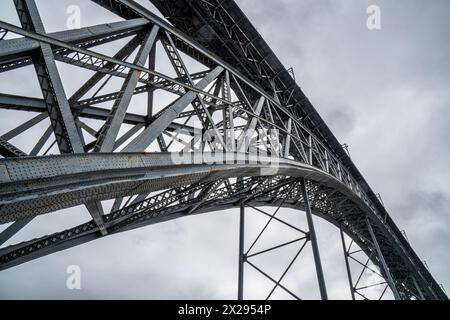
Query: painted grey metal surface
(254, 139)
(313, 237)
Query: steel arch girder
(21, 253)
(34, 185)
(69, 180)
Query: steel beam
(347, 265)
(388, 274)
(110, 129)
(17, 52)
(287, 143)
(25, 126)
(8, 150)
(88, 177)
(59, 111)
(241, 251)
(152, 210)
(313, 238)
(151, 66)
(11, 230)
(418, 289)
(244, 141)
(41, 142)
(169, 114)
(98, 76)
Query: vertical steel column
(59, 111)
(349, 274)
(383, 262)
(241, 251)
(315, 247)
(150, 95)
(418, 288)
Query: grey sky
(384, 93)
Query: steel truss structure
(239, 133)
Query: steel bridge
(239, 133)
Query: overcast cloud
(384, 93)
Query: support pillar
(315, 247)
(390, 280)
(151, 66)
(349, 274)
(241, 252)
